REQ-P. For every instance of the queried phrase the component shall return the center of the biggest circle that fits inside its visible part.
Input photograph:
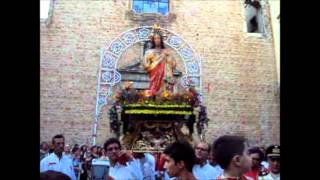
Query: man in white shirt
(122, 164)
(56, 161)
(202, 170)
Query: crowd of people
(228, 158)
(81, 156)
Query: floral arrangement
(150, 111)
(132, 97)
(160, 105)
(135, 102)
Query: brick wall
(239, 71)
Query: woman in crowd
(76, 157)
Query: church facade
(239, 76)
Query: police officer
(273, 154)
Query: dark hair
(56, 137)
(111, 141)
(99, 151)
(53, 175)
(74, 149)
(161, 41)
(82, 147)
(93, 147)
(181, 151)
(255, 149)
(226, 147)
(51, 149)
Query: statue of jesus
(160, 64)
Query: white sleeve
(151, 162)
(135, 168)
(72, 174)
(42, 165)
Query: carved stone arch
(110, 54)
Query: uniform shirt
(64, 165)
(206, 172)
(270, 176)
(121, 172)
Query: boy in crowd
(231, 155)
(179, 160)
